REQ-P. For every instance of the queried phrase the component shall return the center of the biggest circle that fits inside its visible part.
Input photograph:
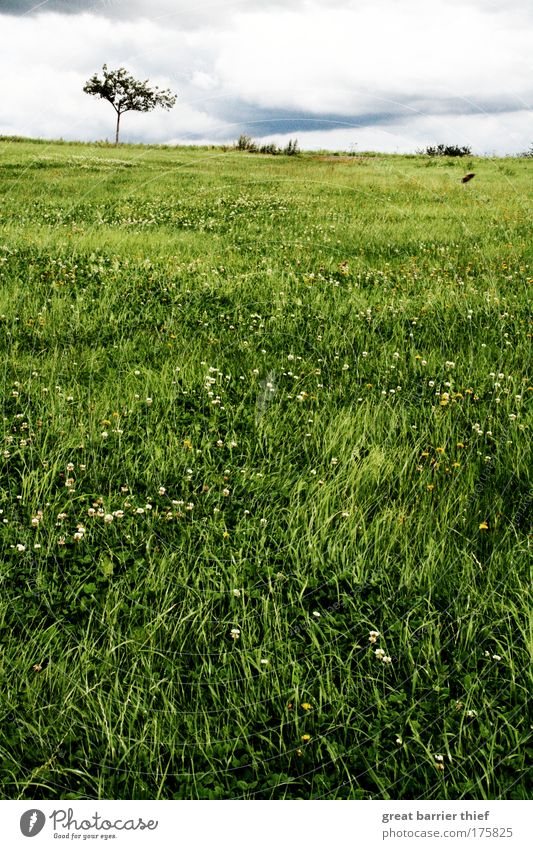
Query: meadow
(265, 475)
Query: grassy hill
(256, 409)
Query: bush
(271, 149)
(448, 150)
(247, 144)
(292, 148)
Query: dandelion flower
(483, 526)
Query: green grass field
(255, 409)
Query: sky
(386, 75)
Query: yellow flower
(188, 444)
(460, 445)
(306, 706)
(439, 450)
(225, 535)
(430, 487)
(305, 738)
(483, 526)
(456, 465)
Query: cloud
(393, 69)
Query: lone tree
(126, 94)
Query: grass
(255, 409)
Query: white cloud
(406, 72)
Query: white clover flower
(161, 490)
(20, 547)
(380, 653)
(235, 633)
(149, 402)
(108, 518)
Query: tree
(126, 94)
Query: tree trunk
(118, 128)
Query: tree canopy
(126, 94)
